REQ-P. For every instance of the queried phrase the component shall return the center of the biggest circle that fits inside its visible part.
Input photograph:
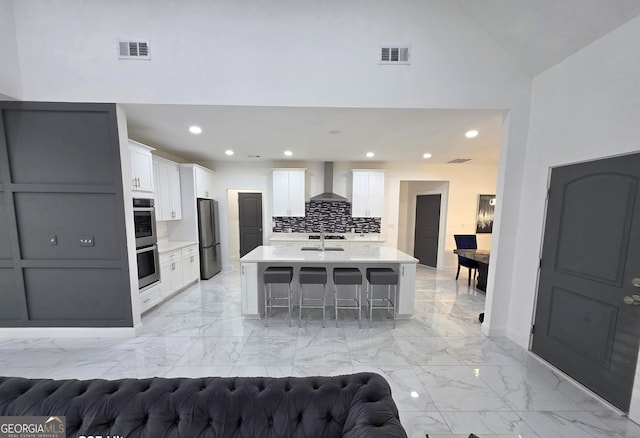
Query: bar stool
(312, 276)
(348, 276)
(385, 277)
(277, 275)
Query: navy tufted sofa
(355, 405)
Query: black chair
(466, 241)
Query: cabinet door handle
(173, 266)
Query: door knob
(633, 299)
(636, 282)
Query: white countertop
(279, 253)
(172, 245)
(304, 237)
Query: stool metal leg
(359, 297)
(324, 303)
(335, 301)
(300, 309)
(267, 301)
(290, 303)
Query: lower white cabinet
(150, 297)
(178, 268)
(190, 264)
(171, 272)
(249, 286)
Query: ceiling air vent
(394, 55)
(134, 50)
(459, 160)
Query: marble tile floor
(446, 377)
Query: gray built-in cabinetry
(63, 252)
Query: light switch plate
(86, 240)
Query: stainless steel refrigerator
(209, 238)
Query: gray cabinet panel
(60, 147)
(5, 246)
(10, 295)
(68, 218)
(92, 295)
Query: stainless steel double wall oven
(144, 219)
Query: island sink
(317, 248)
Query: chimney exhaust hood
(328, 195)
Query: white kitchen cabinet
(204, 182)
(141, 167)
(288, 192)
(406, 289)
(150, 297)
(178, 269)
(251, 307)
(368, 193)
(171, 275)
(167, 190)
(190, 264)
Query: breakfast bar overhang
(255, 262)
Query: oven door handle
(135, 209)
(147, 249)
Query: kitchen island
(254, 263)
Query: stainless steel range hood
(328, 195)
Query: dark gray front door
(250, 205)
(587, 323)
(425, 247)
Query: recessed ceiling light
(335, 131)
(427, 155)
(228, 152)
(370, 155)
(288, 153)
(472, 133)
(195, 129)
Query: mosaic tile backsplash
(332, 217)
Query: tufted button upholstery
(352, 406)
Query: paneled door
(250, 212)
(587, 319)
(427, 230)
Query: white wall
(407, 200)
(10, 82)
(286, 52)
(465, 182)
(222, 52)
(586, 107)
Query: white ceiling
(537, 34)
(392, 134)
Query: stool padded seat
(347, 276)
(382, 276)
(276, 274)
(313, 276)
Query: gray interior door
(250, 212)
(587, 322)
(427, 231)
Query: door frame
(407, 213)
(417, 197)
(233, 218)
(634, 408)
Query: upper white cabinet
(141, 167)
(368, 193)
(288, 192)
(167, 190)
(204, 182)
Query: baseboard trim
(69, 332)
